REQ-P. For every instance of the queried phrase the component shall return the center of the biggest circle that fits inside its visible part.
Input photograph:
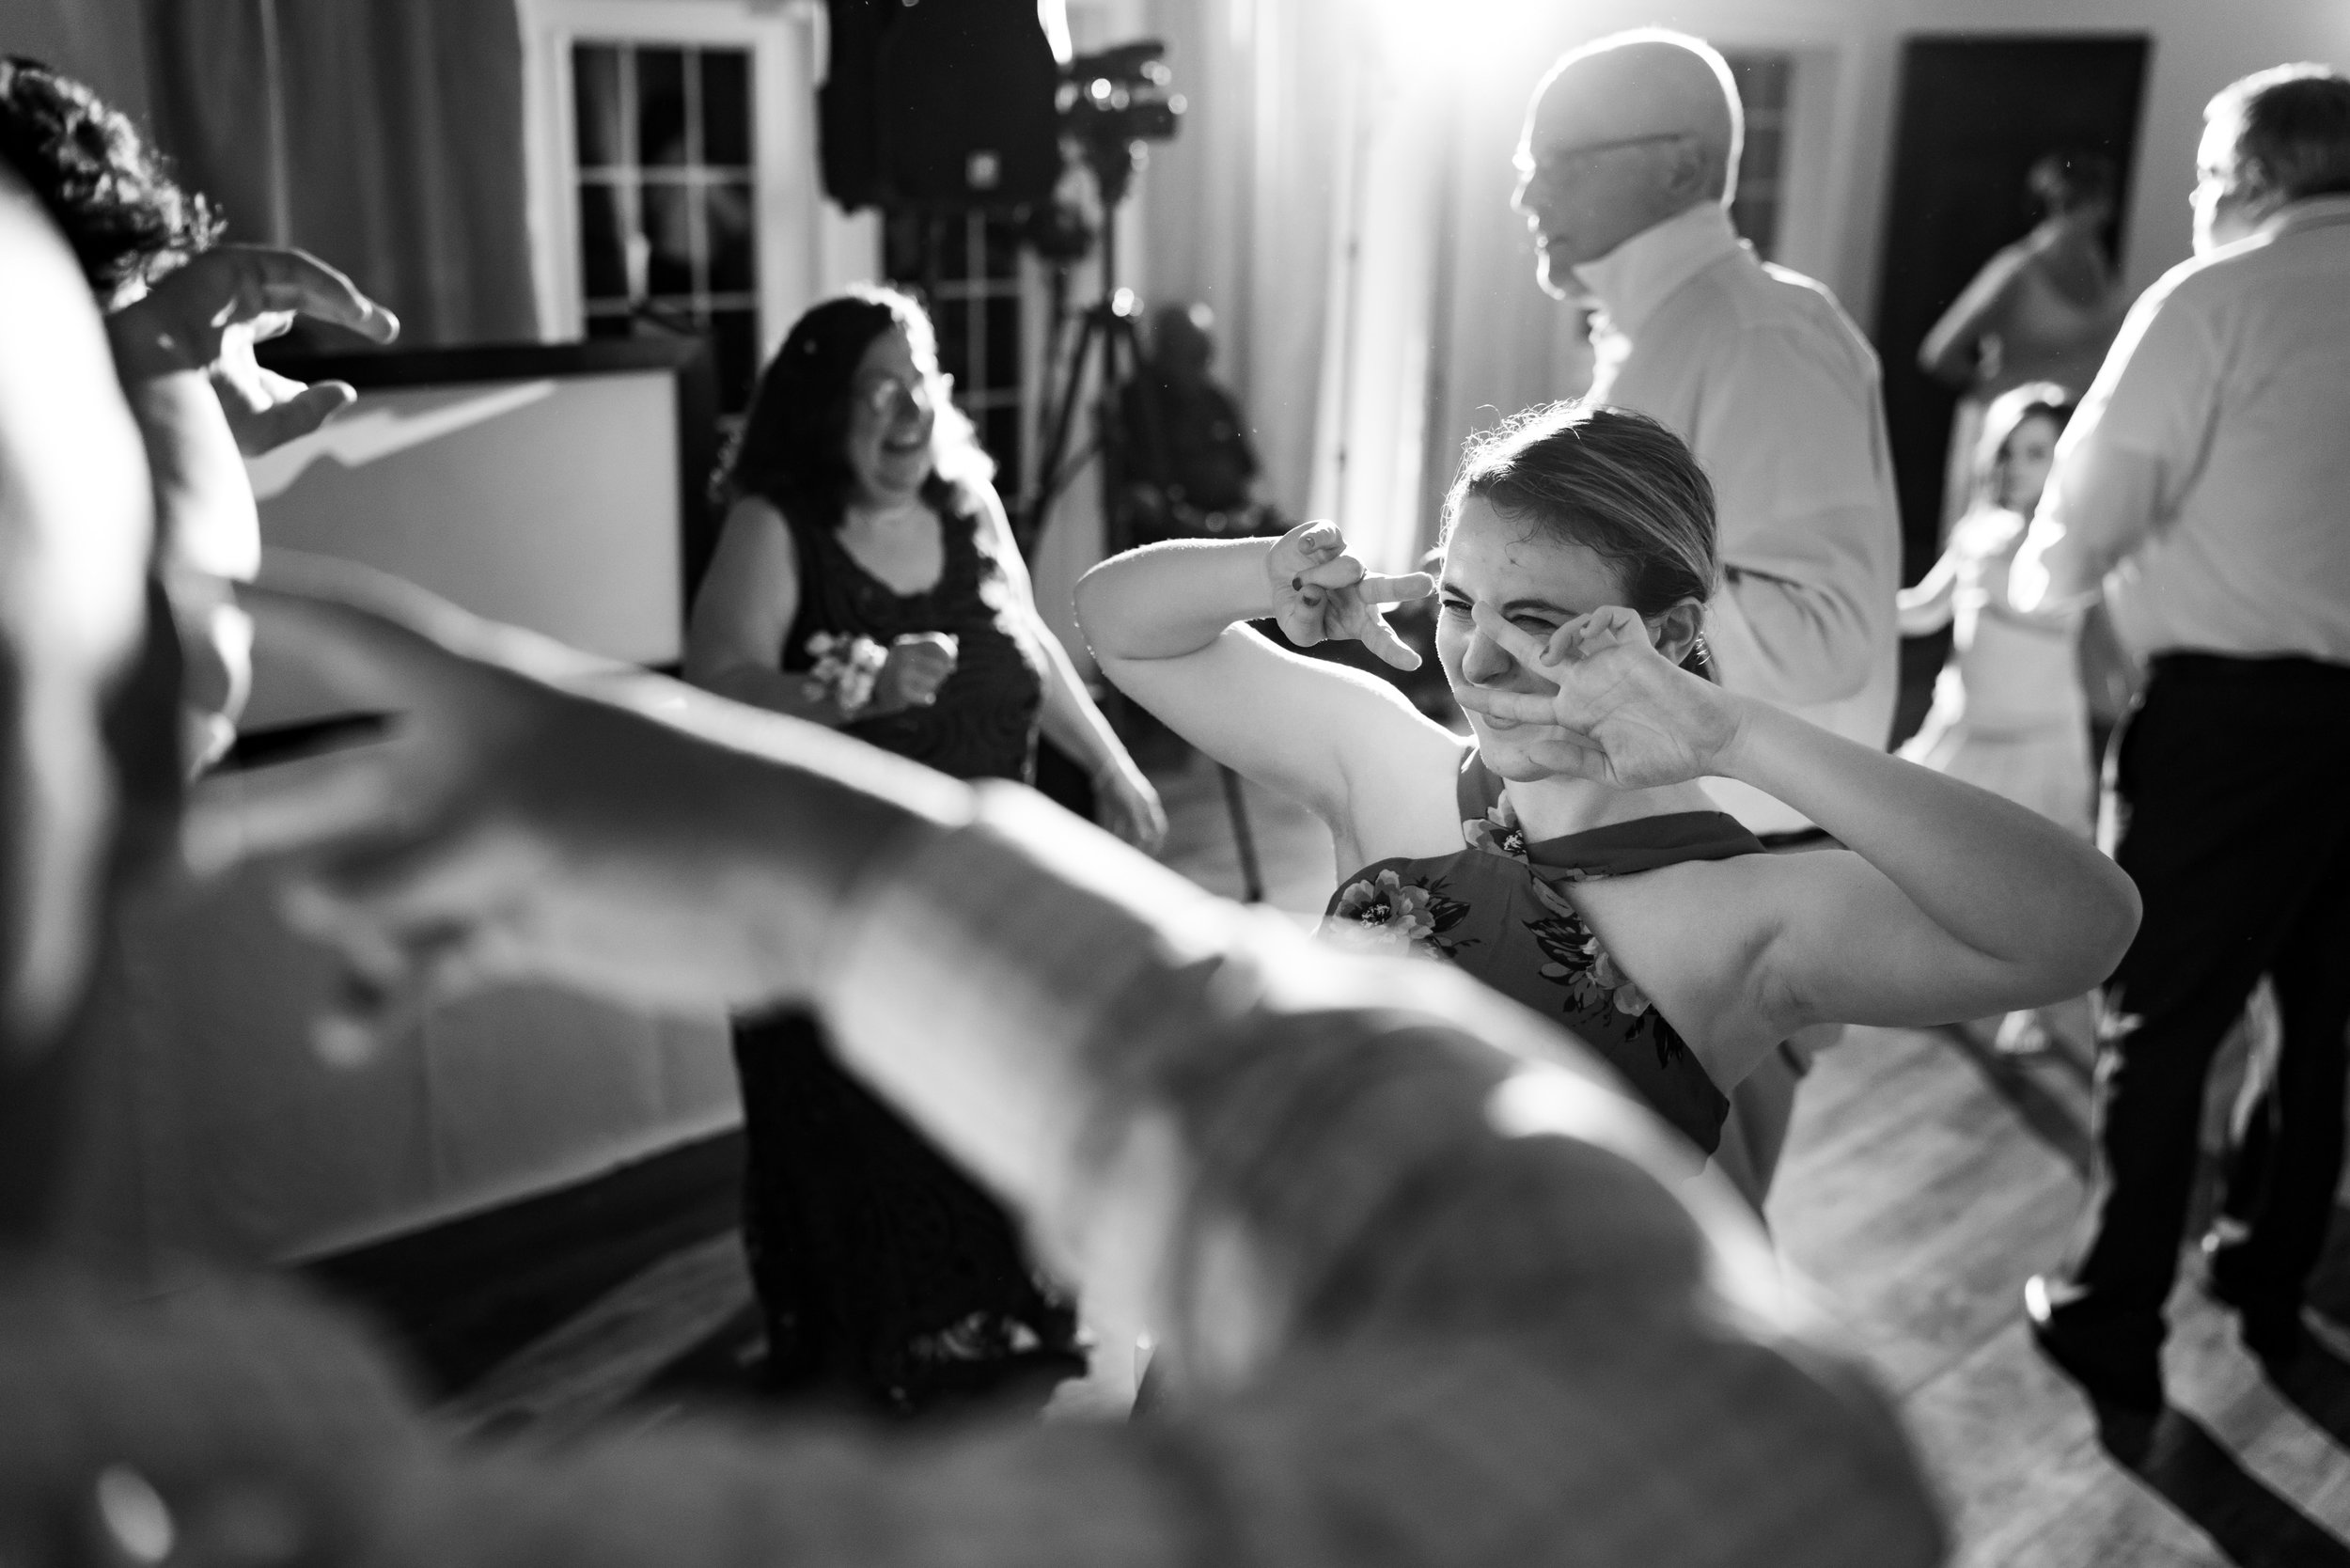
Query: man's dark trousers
(2229, 807)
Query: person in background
(1187, 459)
(1625, 172)
(1564, 852)
(865, 579)
(2043, 309)
(2009, 713)
(1399, 1236)
(2202, 486)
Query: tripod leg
(1251, 878)
(1061, 413)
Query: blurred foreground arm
(1421, 1277)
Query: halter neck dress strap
(1615, 849)
(1499, 907)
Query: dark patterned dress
(884, 1276)
(1497, 909)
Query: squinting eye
(1456, 607)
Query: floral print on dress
(1388, 914)
(1595, 981)
(1497, 832)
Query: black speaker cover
(845, 106)
(940, 104)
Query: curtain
(383, 135)
(1341, 196)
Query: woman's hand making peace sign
(1622, 713)
(1321, 592)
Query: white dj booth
(559, 488)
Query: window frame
(808, 247)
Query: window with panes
(668, 217)
(965, 267)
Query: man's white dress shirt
(1776, 391)
(2206, 477)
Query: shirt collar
(2310, 212)
(1641, 273)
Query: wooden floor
(1925, 1179)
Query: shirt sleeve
(1789, 434)
(2135, 444)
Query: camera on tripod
(1114, 101)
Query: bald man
(1625, 171)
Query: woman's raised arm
(1954, 904)
(1167, 624)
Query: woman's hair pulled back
(1614, 482)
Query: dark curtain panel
(386, 140)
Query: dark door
(1975, 112)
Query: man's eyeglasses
(1559, 166)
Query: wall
(102, 41)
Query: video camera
(1114, 101)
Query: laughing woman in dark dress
(1567, 853)
(865, 579)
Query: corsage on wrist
(845, 669)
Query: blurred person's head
(1624, 133)
(75, 536)
(2018, 445)
(2074, 185)
(109, 194)
(113, 200)
(853, 409)
(2275, 137)
(1183, 341)
(1565, 509)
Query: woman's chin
(897, 475)
(1500, 744)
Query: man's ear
(2262, 197)
(1685, 173)
(1677, 629)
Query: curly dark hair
(789, 452)
(109, 193)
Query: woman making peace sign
(1566, 852)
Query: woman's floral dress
(1497, 909)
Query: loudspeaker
(939, 104)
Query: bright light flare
(1452, 38)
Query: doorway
(1974, 112)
